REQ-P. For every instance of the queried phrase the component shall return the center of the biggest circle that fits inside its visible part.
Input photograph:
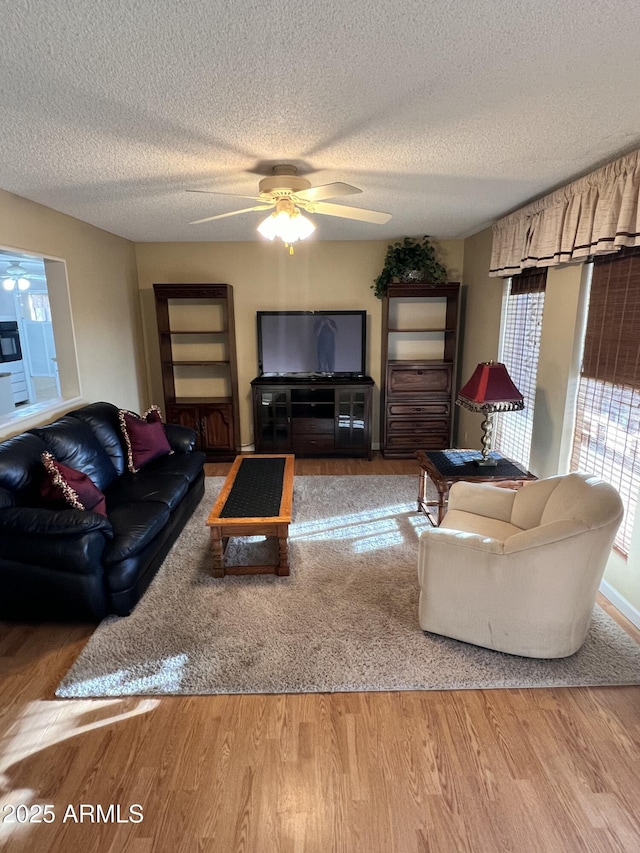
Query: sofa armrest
(39, 521)
(482, 499)
(70, 541)
(7, 498)
(181, 438)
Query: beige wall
(481, 309)
(334, 275)
(103, 294)
(558, 370)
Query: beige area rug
(346, 619)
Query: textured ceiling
(446, 115)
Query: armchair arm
(482, 499)
(181, 438)
(474, 541)
(547, 534)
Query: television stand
(312, 415)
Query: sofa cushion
(185, 465)
(168, 489)
(181, 438)
(530, 502)
(63, 485)
(144, 437)
(134, 526)
(104, 420)
(74, 443)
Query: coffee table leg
(283, 565)
(421, 491)
(443, 495)
(218, 552)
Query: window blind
(522, 325)
(607, 429)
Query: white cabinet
(18, 380)
(6, 394)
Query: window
(607, 429)
(519, 351)
(37, 302)
(37, 307)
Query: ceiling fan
(286, 191)
(16, 275)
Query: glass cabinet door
(351, 420)
(273, 421)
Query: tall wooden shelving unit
(196, 334)
(420, 323)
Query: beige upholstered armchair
(518, 570)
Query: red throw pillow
(63, 484)
(144, 436)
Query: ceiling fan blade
(327, 191)
(235, 195)
(350, 212)
(232, 213)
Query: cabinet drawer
(419, 409)
(312, 426)
(419, 441)
(416, 378)
(313, 443)
(418, 427)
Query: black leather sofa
(70, 564)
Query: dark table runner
(257, 489)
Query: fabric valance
(595, 215)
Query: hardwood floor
(482, 771)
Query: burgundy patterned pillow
(65, 485)
(144, 436)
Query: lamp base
(485, 462)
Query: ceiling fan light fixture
(287, 223)
(15, 275)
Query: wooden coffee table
(446, 467)
(255, 500)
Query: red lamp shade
(490, 388)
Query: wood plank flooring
(481, 771)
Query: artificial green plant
(405, 257)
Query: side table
(445, 467)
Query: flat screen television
(312, 343)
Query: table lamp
(489, 390)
